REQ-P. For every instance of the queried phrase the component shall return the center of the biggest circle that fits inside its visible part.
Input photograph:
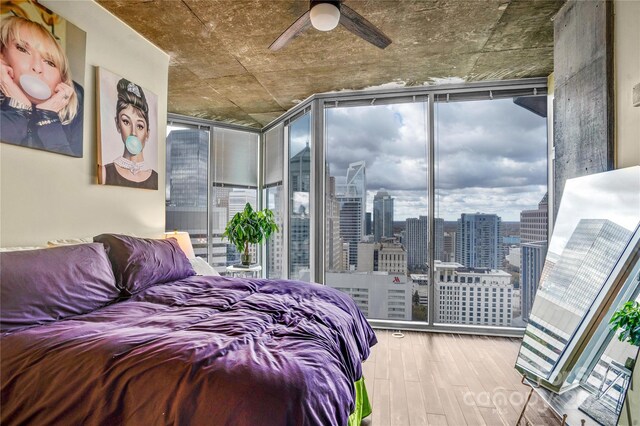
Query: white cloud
(490, 155)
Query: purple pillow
(141, 262)
(39, 286)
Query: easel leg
(525, 404)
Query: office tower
(417, 234)
(570, 287)
(388, 257)
(382, 216)
(533, 237)
(478, 296)
(532, 262)
(274, 248)
(379, 295)
(534, 223)
(439, 239)
(333, 242)
(299, 237)
(353, 200)
(514, 256)
(299, 246)
(449, 245)
(479, 240)
(187, 154)
(186, 186)
(368, 224)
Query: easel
(526, 403)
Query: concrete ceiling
(221, 67)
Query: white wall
(47, 196)
(626, 49)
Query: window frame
(315, 105)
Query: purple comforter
(203, 350)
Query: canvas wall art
(41, 79)
(127, 132)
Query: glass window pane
(376, 191)
(299, 197)
(274, 200)
(490, 205)
(186, 183)
(235, 157)
(273, 155)
(226, 202)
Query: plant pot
(630, 363)
(245, 259)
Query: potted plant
(249, 227)
(627, 318)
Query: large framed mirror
(592, 253)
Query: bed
(121, 331)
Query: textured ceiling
(221, 67)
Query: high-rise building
(186, 186)
(532, 262)
(389, 256)
(513, 256)
(368, 220)
(299, 236)
(449, 244)
(188, 156)
(479, 241)
(568, 289)
(534, 223)
(439, 239)
(382, 216)
(353, 200)
(416, 240)
(533, 238)
(274, 247)
(333, 242)
(477, 296)
(379, 295)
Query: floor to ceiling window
(490, 206)
(469, 253)
(234, 177)
(376, 205)
(300, 157)
(274, 199)
(211, 175)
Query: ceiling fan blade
(358, 25)
(301, 24)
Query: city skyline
(473, 141)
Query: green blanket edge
(363, 406)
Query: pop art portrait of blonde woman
(41, 103)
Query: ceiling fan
(325, 15)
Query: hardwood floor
(448, 379)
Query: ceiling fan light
(325, 16)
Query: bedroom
(46, 196)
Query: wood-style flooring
(448, 379)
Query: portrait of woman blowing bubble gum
(132, 124)
(41, 106)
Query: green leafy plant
(250, 227)
(627, 318)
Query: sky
(490, 156)
(613, 195)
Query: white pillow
(202, 267)
(69, 241)
(5, 249)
